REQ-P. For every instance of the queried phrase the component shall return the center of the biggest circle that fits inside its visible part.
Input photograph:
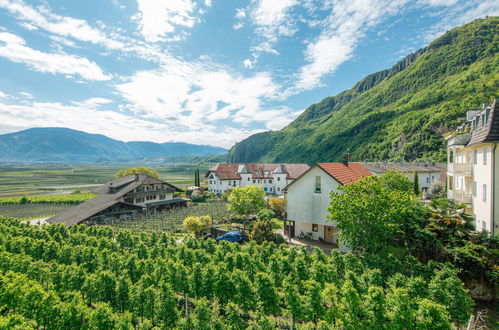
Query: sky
(200, 71)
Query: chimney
(347, 159)
(136, 177)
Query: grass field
(55, 179)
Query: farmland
(31, 211)
(171, 220)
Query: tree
(371, 216)
(394, 180)
(278, 205)
(417, 190)
(196, 225)
(262, 231)
(137, 170)
(438, 190)
(247, 200)
(448, 220)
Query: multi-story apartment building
(272, 177)
(473, 166)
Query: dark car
(233, 236)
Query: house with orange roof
(309, 196)
(273, 178)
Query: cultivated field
(171, 220)
(56, 179)
(31, 211)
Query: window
(162, 196)
(265, 189)
(428, 180)
(450, 181)
(484, 225)
(249, 179)
(258, 180)
(270, 181)
(254, 181)
(271, 189)
(315, 227)
(484, 156)
(486, 117)
(474, 188)
(139, 200)
(475, 156)
(317, 184)
(278, 178)
(211, 182)
(234, 183)
(278, 188)
(484, 191)
(264, 181)
(451, 156)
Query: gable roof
(345, 174)
(382, 167)
(340, 172)
(489, 132)
(229, 171)
(110, 194)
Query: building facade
(309, 197)
(125, 197)
(273, 178)
(428, 173)
(473, 166)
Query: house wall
(482, 175)
(495, 158)
(304, 204)
(274, 185)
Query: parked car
(233, 236)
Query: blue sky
(200, 71)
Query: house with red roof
(273, 178)
(309, 196)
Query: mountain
(396, 114)
(55, 144)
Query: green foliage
(247, 200)
(98, 278)
(394, 180)
(196, 225)
(396, 114)
(137, 170)
(70, 199)
(265, 215)
(415, 181)
(448, 220)
(437, 190)
(278, 205)
(373, 216)
(262, 231)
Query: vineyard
(69, 199)
(171, 220)
(31, 211)
(98, 277)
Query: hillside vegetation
(395, 114)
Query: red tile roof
(345, 174)
(229, 171)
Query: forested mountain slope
(395, 114)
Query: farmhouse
(473, 166)
(124, 197)
(309, 196)
(272, 177)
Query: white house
(272, 177)
(427, 173)
(473, 166)
(309, 197)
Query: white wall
(304, 204)
(482, 175)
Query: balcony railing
(462, 196)
(463, 168)
(150, 192)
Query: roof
(489, 132)
(340, 172)
(381, 167)
(107, 198)
(229, 171)
(345, 174)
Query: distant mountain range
(396, 114)
(55, 144)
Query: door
(328, 234)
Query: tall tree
(247, 200)
(137, 170)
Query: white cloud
(439, 2)
(343, 29)
(43, 18)
(14, 48)
(116, 125)
(2, 95)
(157, 18)
(248, 64)
(273, 20)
